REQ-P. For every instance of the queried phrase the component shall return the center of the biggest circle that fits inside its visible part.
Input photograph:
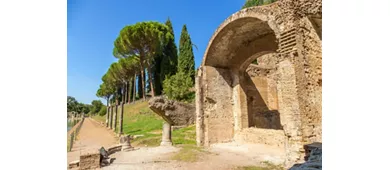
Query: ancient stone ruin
(313, 158)
(173, 112)
(276, 101)
(125, 143)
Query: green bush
(102, 111)
(177, 87)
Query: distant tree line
(96, 107)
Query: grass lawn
(138, 119)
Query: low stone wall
(72, 134)
(74, 127)
(261, 136)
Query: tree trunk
(139, 86)
(115, 113)
(122, 107)
(129, 90)
(134, 86)
(150, 80)
(143, 82)
(107, 116)
(124, 94)
(111, 115)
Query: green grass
(138, 119)
(265, 166)
(185, 135)
(99, 118)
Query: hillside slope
(139, 120)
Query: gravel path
(92, 135)
(224, 156)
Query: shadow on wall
(259, 114)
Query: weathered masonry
(275, 102)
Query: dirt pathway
(225, 156)
(91, 136)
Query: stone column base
(166, 143)
(166, 135)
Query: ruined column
(121, 119)
(290, 116)
(111, 115)
(115, 117)
(107, 115)
(240, 105)
(199, 109)
(166, 135)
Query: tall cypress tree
(186, 55)
(169, 58)
(156, 73)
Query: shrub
(177, 87)
(102, 111)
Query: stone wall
(262, 136)
(217, 106)
(90, 159)
(290, 108)
(286, 37)
(312, 62)
(262, 93)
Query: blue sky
(93, 25)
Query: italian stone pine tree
(186, 61)
(143, 40)
(113, 76)
(105, 91)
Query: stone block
(114, 148)
(74, 164)
(90, 159)
(125, 143)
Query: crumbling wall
(218, 117)
(252, 32)
(270, 137)
(290, 109)
(312, 62)
(262, 93)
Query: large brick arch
(286, 29)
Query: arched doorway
(271, 102)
